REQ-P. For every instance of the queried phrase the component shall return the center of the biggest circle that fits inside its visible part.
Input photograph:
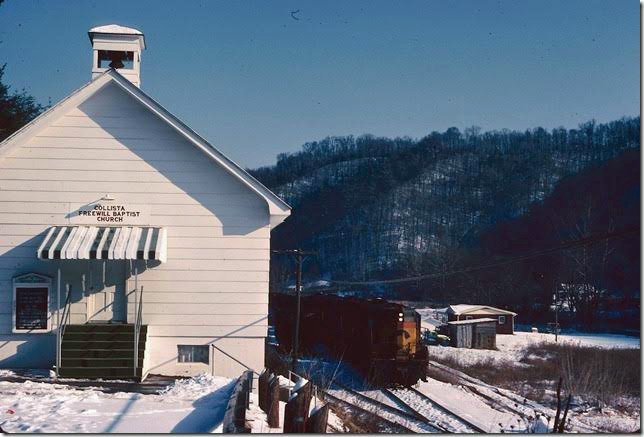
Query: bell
(117, 60)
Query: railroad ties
(426, 407)
(404, 409)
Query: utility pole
(300, 257)
(556, 312)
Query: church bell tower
(117, 47)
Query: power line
(565, 246)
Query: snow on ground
(190, 406)
(31, 373)
(598, 340)
(511, 348)
(349, 397)
(601, 340)
(436, 415)
(471, 407)
(522, 410)
(258, 420)
(381, 397)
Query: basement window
(191, 353)
(501, 320)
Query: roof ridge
(134, 89)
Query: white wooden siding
(215, 282)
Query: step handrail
(138, 317)
(61, 329)
(66, 311)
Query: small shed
(504, 318)
(473, 334)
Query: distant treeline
(380, 208)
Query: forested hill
(377, 208)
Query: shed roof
(480, 309)
(471, 321)
(278, 209)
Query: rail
(61, 328)
(377, 417)
(137, 328)
(410, 413)
(443, 408)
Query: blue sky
(257, 82)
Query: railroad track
(407, 419)
(342, 402)
(415, 411)
(430, 410)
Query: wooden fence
(235, 416)
(297, 415)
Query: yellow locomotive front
(407, 334)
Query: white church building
(118, 222)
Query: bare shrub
(599, 374)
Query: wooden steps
(101, 351)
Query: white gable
(277, 208)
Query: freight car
(382, 340)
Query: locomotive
(380, 339)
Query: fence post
(318, 421)
(297, 410)
(235, 415)
(264, 390)
(274, 403)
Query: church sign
(110, 213)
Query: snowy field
(189, 406)
(511, 347)
(522, 339)
(621, 414)
(599, 340)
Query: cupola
(117, 47)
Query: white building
(110, 196)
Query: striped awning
(104, 242)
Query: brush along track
(424, 406)
(384, 412)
